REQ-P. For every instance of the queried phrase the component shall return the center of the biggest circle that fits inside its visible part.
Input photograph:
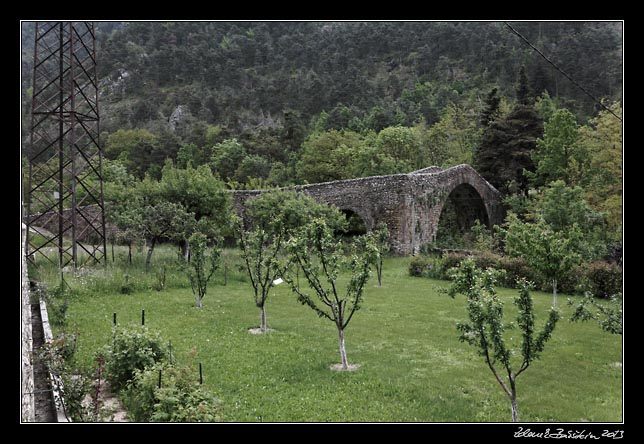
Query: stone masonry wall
(27, 408)
(410, 204)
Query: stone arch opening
(462, 208)
(356, 225)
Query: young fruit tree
(486, 327)
(608, 314)
(381, 235)
(550, 253)
(267, 224)
(201, 266)
(320, 256)
(260, 250)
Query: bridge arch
(465, 205)
(357, 223)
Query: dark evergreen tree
(506, 148)
(523, 88)
(491, 110)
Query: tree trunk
(199, 299)
(185, 250)
(129, 253)
(343, 352)
(379, 269)
(554, 292)
(262, 311)
(515, 408)
(149, 256)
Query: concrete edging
(49, 337)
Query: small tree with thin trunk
(550, 253)
(269, 220)
(201, 266)
(486, 327)
(320, 257)
(381, 236)
(260, 252)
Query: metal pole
(72, 141)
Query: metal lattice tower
(65, 204)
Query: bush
(451, 260)
(132, 350)
(486, 260)
(418, 266)
(515, 268)
(604, 279)
(179, 399)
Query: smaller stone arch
(357, 223)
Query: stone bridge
(411, 204)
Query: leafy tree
(135, 148)
(320, 257)
(486, 328)
(275, 209)
(602, 139)
(202, 265)
(329, 156)
(545, 106)
(558, 156)
(454, 138)
(201, 193)
(162, 221)
(607, 314)
(550, 253)
(567, 212)
(226, 158)
(188, 154)
(402, 145)
(269, 220)
(253, 166)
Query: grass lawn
(412, 366)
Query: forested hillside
(277, 103)
(270, 84)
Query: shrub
(57, 300)
(604, 279)
(127, 287)
(179, 399)
(73, 383)
(132, 350)
(451, 260)
(515, 268)
(418, 265)
(486, 260)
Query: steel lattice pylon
(65, 204)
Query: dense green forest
(278, 103)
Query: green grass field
(412, 366)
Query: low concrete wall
(27, 408)
(55, 383)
